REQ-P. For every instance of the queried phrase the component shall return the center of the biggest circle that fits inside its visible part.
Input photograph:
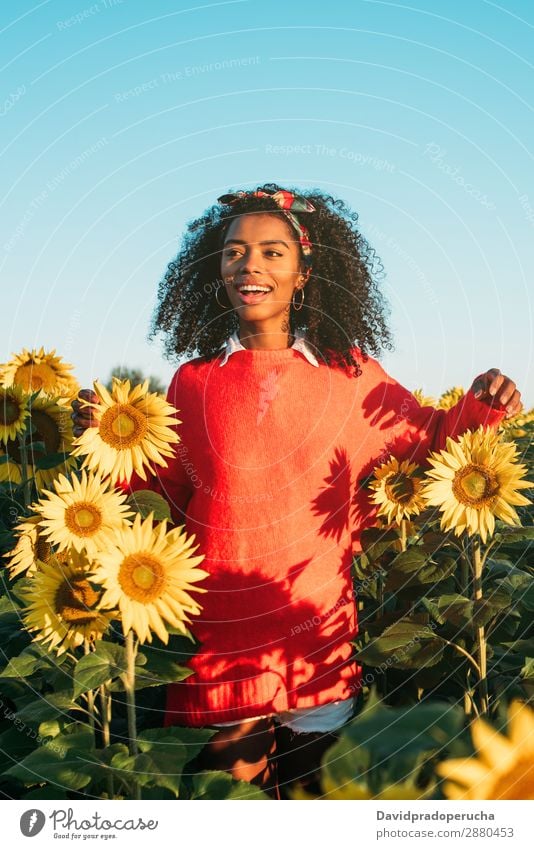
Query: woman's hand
(84, 417)
(493, 385)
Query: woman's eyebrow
(269, 242)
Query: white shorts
(327, 717)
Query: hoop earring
(301, 302)
(222, 306)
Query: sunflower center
(475, 485)
(517, 783)
(83, 518)
(141, 576)
(10, 410)
(43, 549)
(399, 488)
(33, 377)
(123, 426)
(75, 600)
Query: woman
(283, 413)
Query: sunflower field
(100, 590)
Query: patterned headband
(288, 203)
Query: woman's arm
(410, 431)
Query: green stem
(466, 654)
(90, 696)
(403, 533)
(480, 636)
(129, 687)
(468, 704)
(23, 450)
(105, 706)
(464, 573)
(380, 613)
(86, 712)
(487, 551)
(380, 594)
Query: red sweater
(266, 476)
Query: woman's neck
(255, 338)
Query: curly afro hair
(343, 306)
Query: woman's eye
(232, 251)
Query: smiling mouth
(252, 296)
(251, 291)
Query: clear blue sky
(120, 121)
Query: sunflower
(35, 369)
(474, 480)
(397, 490)
(504, 767)
(516, 426)
(424, 400)
(13, 412)
(9, 471)
(147, 575)
(51, 418)
(449, 398)
(134, 431)
(63, 604)
(31, 546)
(83, 514)
(52, 427)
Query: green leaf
(14, 746)
(190, 740)
(58, 725)
(376, 541)
(392, 732)
(34, 448)
(453, 608)
(404, 645)
(50, 461)
(108, 661)
(489, 606)
(516, 653)
(519, 534)
(154, 768)
(9, 623)
(414, 568)
(68, 761)
(158, 666)
(520, 585)
(435, 540)
(144, 501)
(29, 661)
(350, 769)
(47, 707)
(221, 785)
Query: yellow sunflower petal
(149, 572)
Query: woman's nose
(252, 259)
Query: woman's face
(261, 250)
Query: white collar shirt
(233, 344)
